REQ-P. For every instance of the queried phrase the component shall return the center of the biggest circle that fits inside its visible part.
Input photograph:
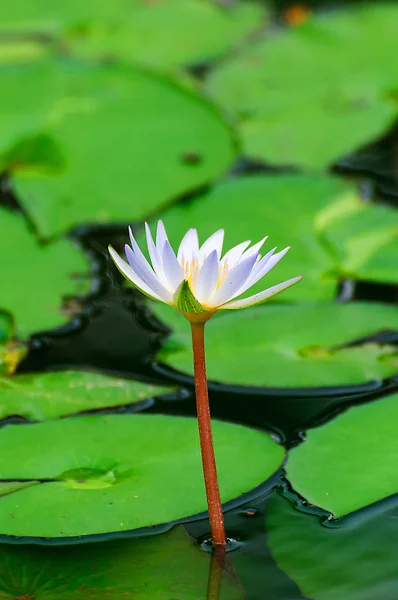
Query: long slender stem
(206, 437)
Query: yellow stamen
(192, 268)
(222, 274)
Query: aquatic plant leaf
(279, 345)
(14, 51)
(162, 34)
(151, 124)
(364, 238)
(41, 396)
(167, 565)
(167, 34)
(355, 561)
(10, 487)
(35, 277)
(332, 233)
(23, 106)
(114, 473)
(351, 461)
(38, 152)
(289, 112)
(45, 17)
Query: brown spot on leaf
(192, 158)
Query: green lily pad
(289, 112)
(351, 461)
(9, 487)
(20, 51)
(123, 124)
(335, 233)
(284, 346)
(47, 17)
(168, 33)
(355, 563)
(118, 472)
(170, 565)
(35, 277)
(23, 106)
(162, 34)
(364, 238)
(51, 395)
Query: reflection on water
(356, 561)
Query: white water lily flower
(199, 280)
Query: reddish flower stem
(206, 438)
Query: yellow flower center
(222, 273)
(192, 269)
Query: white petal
(129, 274)
(141, 267)
(214, 242)
(161, 237)
(153, 253)
(262, 296)
(138, 253)
(261, 263)
(234, 281)
(207, 278)
(172, 269)
(266, 267)
(189, 245)
(233, 255)
(155, 257)
(254, 249)
(261, 269)
(258, 271)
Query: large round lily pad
(353, 562)
(162, 566)
(118, 472)
(35, 277)
(90, 150)
(289, 111)
(335, 234)
(278, 345)
(349, 462)
(42, 396)
(168, 33)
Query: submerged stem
(206, 438)
(216, 572)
